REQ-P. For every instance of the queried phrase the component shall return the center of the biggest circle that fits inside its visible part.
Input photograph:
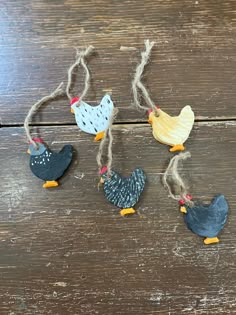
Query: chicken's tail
(67, 150)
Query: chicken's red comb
(182, 202)
(189, 197)
(150, 110)
(39, 140)
(74, 100)
(103, 170)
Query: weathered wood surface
(193, 61)
(67, 250)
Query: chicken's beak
(150, 120)
(102, 180)
(72, 110)
(183, 209)
(28, 151)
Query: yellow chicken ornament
(173, 131)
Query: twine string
(173, 174)
(81, 56)
(57, 92)
(107, 137)
(137, 84)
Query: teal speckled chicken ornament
(45, 164)
(123, 192)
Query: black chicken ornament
(47, 165)
(123, 192)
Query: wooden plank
(193, 62)
(67, 250)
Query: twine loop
(138, 85)
(57, 92)
(172, 174)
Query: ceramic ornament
(45, 164)
(93, 119)
(123, 192)
(205, 220)
(173, 131)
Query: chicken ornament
(91, 119)
(45, 164)
(123, 192)
(173, 131)
(205, 220)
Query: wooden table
(67, 250)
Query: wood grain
(193, 62)
(67, 250)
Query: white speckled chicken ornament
(45, 164)
(173, 131)
(90, 119)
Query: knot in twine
(137, 84)
(80, 60)
(172, 174)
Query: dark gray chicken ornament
(123, 192)
(47, 165)
(206, 220)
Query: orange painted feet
(127, 211)
(211, 240)
(49, 184)
(177, 147)
(99, 136)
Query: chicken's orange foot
(99, 136)
(127, 211)
(177, 147)
(211, 240)
(49, 184)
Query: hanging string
(137, 84)
(34, 109)
(108, 136)
(172, 173)
(81, 55)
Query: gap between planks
(212, 121)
